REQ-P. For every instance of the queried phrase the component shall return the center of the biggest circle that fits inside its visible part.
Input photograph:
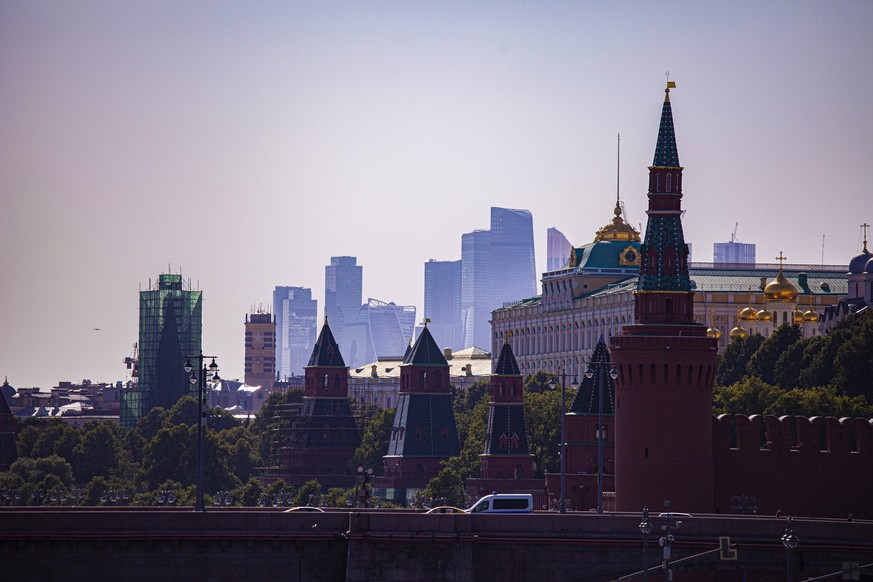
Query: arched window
(668, 184)
(325, 381)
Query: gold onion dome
(618, 230)
(798, 316)
(747, 314)
(713, 332)
(764, 315)
(738, 332)
(810, 315)
(780, 289)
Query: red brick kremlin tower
(323, 439)
(666, 362)
(506, 450)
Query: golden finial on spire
(426, 321)
(325, 319)
(670, 85)
(506, 339)
(864, 227)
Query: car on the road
(674, 515)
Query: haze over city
(246, 143)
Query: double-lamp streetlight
(601, 386)
(790, 541)
(563, 435)
(212, 373)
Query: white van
(503, 503)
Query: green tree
(537, 383)
(184, 411)
(763, 362)
(244, 451)
(447, 488)
(822, 401)
(309, 492)
(751, 396)
(542, 412)
(149, 425)
(733, 363)
(36, 479)
(46, 437)
(374, 442)
(99, 452)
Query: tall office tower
(296, 312)
(260, 350)
(170, 324)
(733, 252)
(497, 267)
(342, 295)
(513, 265)
(476, 303)
(558, 251)
(442, 302)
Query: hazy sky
(246, 143)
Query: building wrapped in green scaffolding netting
(170, 325)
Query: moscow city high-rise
(343, 293)
(442, 302)
(296, 314)
(497, 267)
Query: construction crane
(734, 233)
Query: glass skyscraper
(442, 302)
(342, 297)
(558, 249)
(170, 327)
(497, 267)
(296, 317)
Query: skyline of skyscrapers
(343, 295)
(442, 302)
(170, 328)
(296, 318)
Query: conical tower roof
(425, 351)
(587, 400)
(326, 352)
(666, 154)
(506, 364)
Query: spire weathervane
(864, 227)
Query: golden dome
(764, 315)
(738, 332)
(747, 314)
(798, 316)
(810, 316)
(713, 332)
(780, 289)
(618, 230)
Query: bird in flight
(96, 329)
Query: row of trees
(830, 375)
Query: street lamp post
(601, 380)
(200, 380)
(790, 541)
(563, 435)
(645, 529)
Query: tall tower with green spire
(666, 362)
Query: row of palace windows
(548, 340)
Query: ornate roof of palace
(828, 280)
(609, 257)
